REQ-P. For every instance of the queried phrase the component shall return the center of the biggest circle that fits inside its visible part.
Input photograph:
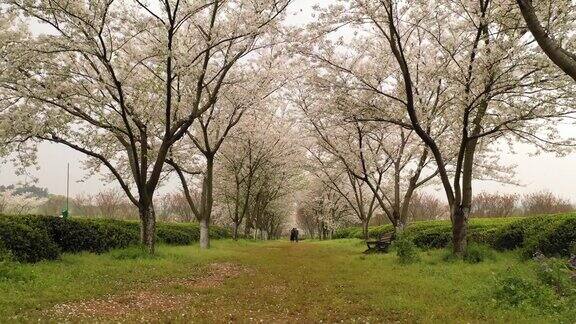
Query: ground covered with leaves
(285, 282)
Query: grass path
(258, 282)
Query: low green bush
(76, 235)
(91, 235)
(552, 235)
(556, 274)
(97, 237)
(406, 250)
(175, 236)
(509, 238)
(5, 254)
(31, 238)
(348, 232)
(476, 253)
(378, 231)
(559, 238)
(513, 290)
(432, 238)
(218, 233)
(26, 243)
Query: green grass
(310, 281)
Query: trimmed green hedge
(26, 243)
(552, 235)
(76, 235)
(32, 238)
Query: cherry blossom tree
(242, 162)
(248, 89)
(351, 190)
(12, 33)
(322, 209)
(123, 81)
(258, 172)
(557, 36)
(384, 165)
(465, 65)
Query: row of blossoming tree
(401, 93)
(137, 85)
(386, 97)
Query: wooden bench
(380, 245)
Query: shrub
(559, 238)
(5, 254)
(76, 235)
(509, 238)
(553, 235)
(556, 274)
(342, 233)
(32, 238)
(217, 233)
(25, 243)
(174, 236)
(98, 236)
(378, 231)
(476, 253)
(515, 291)
(348, 232)
(485, 235)
(433, 238)
(406, 250)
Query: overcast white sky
(543, 172)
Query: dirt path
(152, 300)
(273, 282)
(264, 285)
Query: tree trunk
(365, 229)
(206, 203)
(247, 226)
(460, 218)
(204, 234)
(399, 228)
(235, 231)
(148, 228)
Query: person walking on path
(294, 235)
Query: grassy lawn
(274, 281)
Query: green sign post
(66, 211)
